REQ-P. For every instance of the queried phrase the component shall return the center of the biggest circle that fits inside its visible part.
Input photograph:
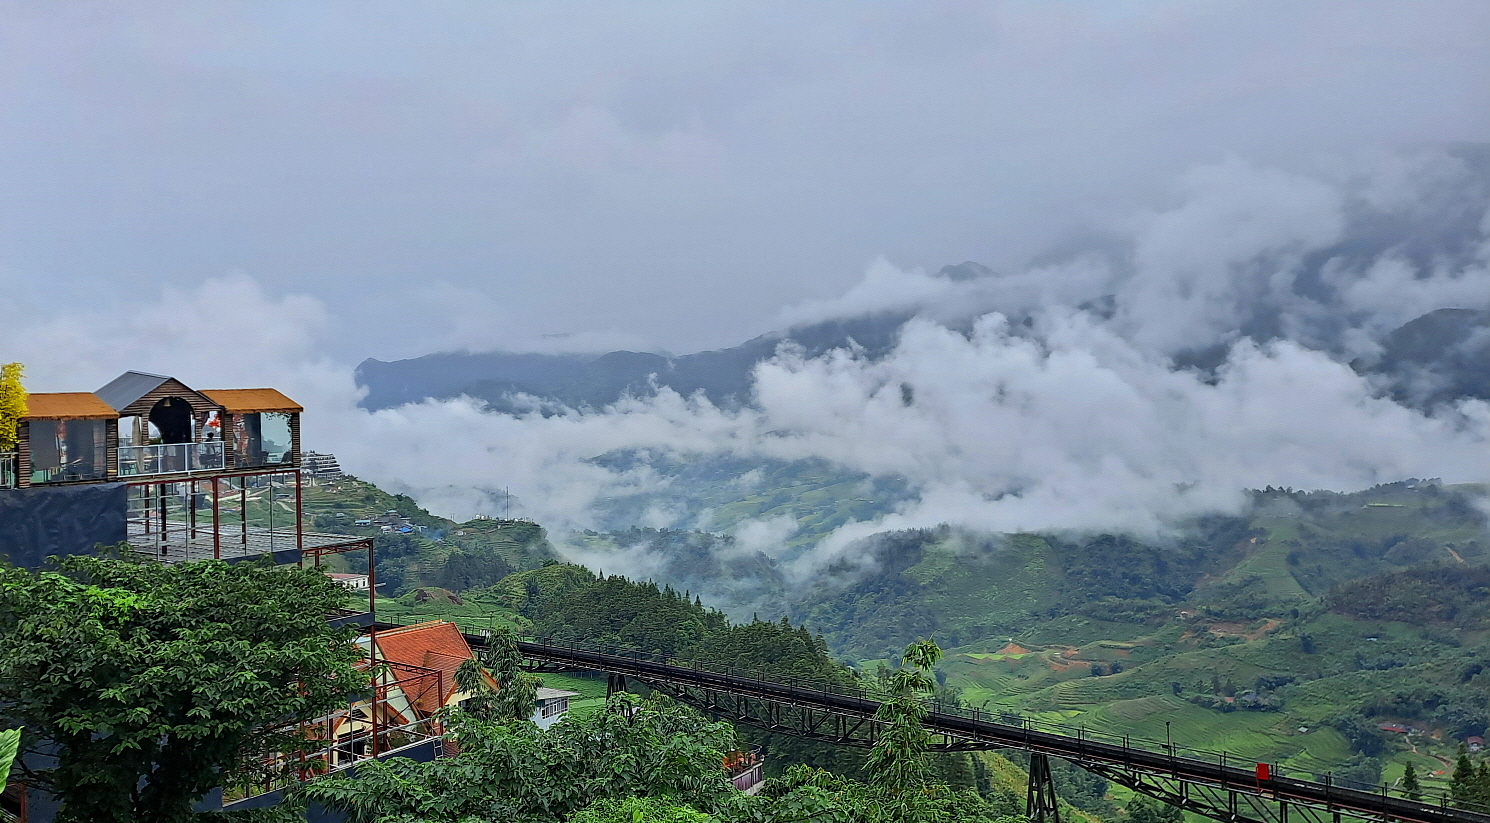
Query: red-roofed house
(433, 646)
(425, 657)
(417, 679)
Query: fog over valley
(1323, 331)
(1004, 267)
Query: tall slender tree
(12, 404)
(1410, 787)
(1467, 784)
(897, 762)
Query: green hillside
(1292, 636)
(570, 602)
(415, 548)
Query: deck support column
(1042, 804)
(216, 523)
(160, 497)
(300, 518)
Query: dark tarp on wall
(64, 520)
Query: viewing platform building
(178, 473)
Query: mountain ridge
(597, 380)
(1438, 357)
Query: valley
(1328, 633)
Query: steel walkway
(1213, 785)
(1218, 788)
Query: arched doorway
(171, 416)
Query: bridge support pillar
(1042, 805)
(614, 683)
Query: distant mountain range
(596, 380)
(1441, 356)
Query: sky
(246, 194)
(661, 176)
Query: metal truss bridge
(1213, 785)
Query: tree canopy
(149, 683)
(12, 404)
(652, 761)
(516, 692)
(513, 771)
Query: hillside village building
(320, 466)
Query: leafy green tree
(1360, 772)
(897, 762)
(808, 794)
(1411, 789)
(819, 796)
(639, 810)
(1478, 796)
(153, 683)
(1363, 734)
(516, 691)
(1469, 788)
(12, 404)
(1461, 782)
(462, 570)
(516, 772)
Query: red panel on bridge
(1263, 773)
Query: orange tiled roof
(246, 401)
(434, 645)
(67, 405)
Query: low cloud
(1020, 402)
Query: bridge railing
(943, 709)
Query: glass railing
(170, 458)
(254, 459)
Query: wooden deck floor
(178, 543)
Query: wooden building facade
(149, 425)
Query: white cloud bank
(1073, 420)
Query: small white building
(552, 704)
(355, 582)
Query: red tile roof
(434, 645)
